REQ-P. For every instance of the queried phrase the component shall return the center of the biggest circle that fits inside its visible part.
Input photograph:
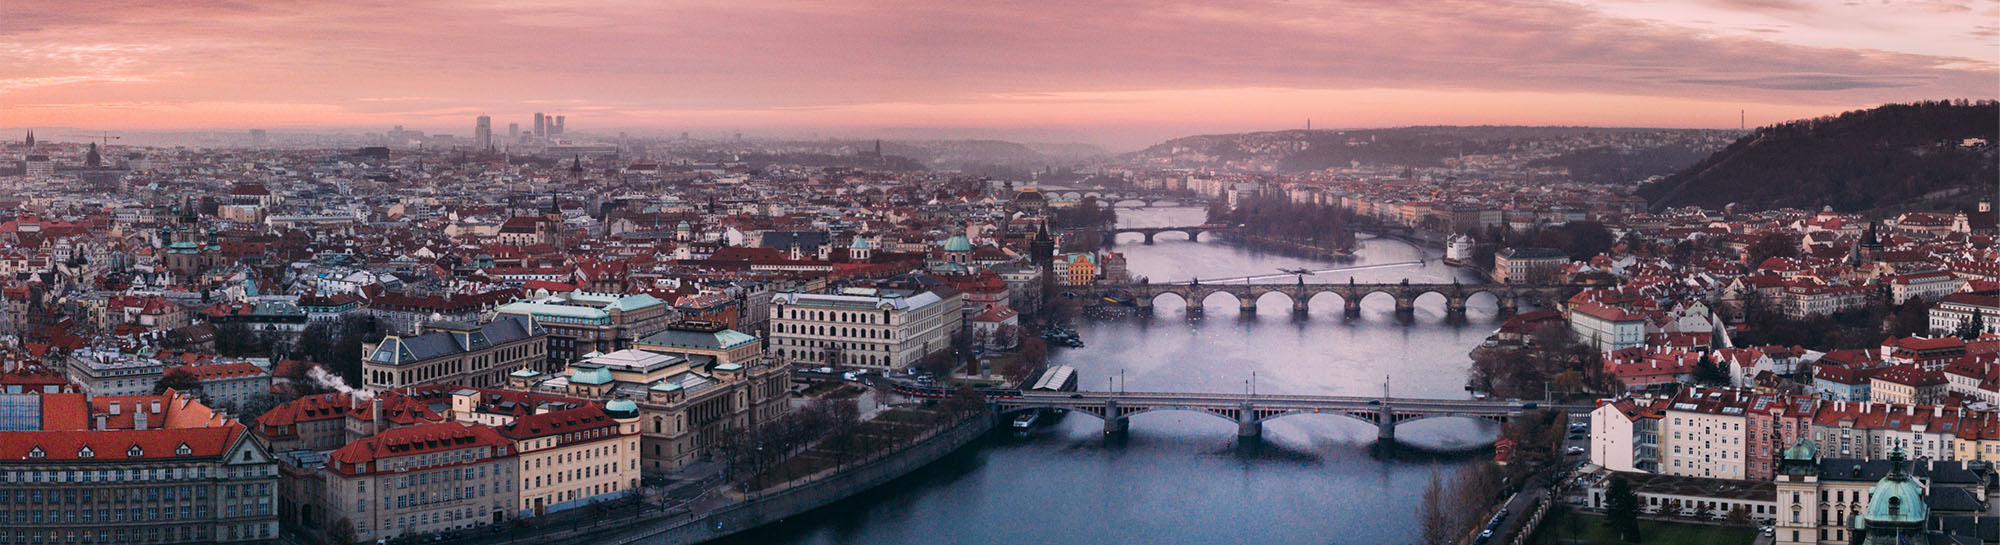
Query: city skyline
(1120, 75)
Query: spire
(92, 159)
(576, 165)
(31, 138)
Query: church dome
(957, 243)
(1897, 500)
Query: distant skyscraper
(513, 131)
(541, 125)
(482, 131)
(559, 125)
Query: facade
(421, 480)
(1606, 328)
(1928, 286)
(135, 469)
(1702, 434)
(1528, 265)
(867, 328)
(229, 384)
(572, 457)
(104, 371)
(1840, 501)
(687, 404)
(769, 385)
(1954, 310)
(1906, 385)
(1625, 434)
(580, 322)
(451, 353)
(1800, 301)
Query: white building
(1702, 434)
(1606, 328)
(864, 327)
(1956, 308)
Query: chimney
(100, 422)
(139, 420)
(375, 413)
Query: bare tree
(1433, 518)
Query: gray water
(1182, 477)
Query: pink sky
(1118, 73)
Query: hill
(1591, 154)
(1880, 158)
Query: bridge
(1509, 296)
(1193, 232)
(1145, 199)
(1249, 412)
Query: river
(1182, 477)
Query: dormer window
(135, 452)
(37, 453)
(183, 450)
(85, 452)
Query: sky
(1110, 72)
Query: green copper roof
(1897, 499)
(524, 372)
(622, 407)
(957, 243)
(593, 377)
(1804, 450)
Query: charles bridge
(1507, 296)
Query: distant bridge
(1249, 412)
(1193, 232)
(1132, 199)
(1508, 296)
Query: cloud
(717, 62)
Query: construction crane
(106, 137)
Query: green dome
(592, 377)
(957, 243)
(622, 408)
(859, 244)
(1897, 499)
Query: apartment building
(572, 457)
(131, 469)
(1703, 434)
(421, 480)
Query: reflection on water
(1181, 477)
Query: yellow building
(572, 457)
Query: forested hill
(1867, 159)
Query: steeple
(31, 138)
(92, 159)
(576, 166)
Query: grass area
(1570, 525)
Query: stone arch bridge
(1509, 296)
(1193, 232)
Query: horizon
(1118, 76)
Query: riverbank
(807, 493)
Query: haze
(1120, 74)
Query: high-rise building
(483, 132)
(541, 125)
(559, 125)
(513, 131)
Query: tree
(1708, 371)
(1769, 245)
(177, 378)
(341, 532)
(1738, 516)
(1621, 509)
(1034, 351)
(1970, 329)
(965, 400)
(1433, 519)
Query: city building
(1702, 434)
(873, 328)
(456, 353)
(1953, 311)
(1606, 328)
(420, 480)
(229, 385)
(1843, 501)
(580, 323)
(687, 405)
(109, 371)
(132, 469)
(1528, 265)
(573, 457)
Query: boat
(1024, 423)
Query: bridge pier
(1300, 306)
(1145, 305)
(1149, 236)
(1247, 426)
(1194, 236)
(1194, 308)
(1114, 423)
(1353, 307)
(1406, 306)
(1385, 425)
(1508, 307)
(1454, 306)
(1246, 305)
